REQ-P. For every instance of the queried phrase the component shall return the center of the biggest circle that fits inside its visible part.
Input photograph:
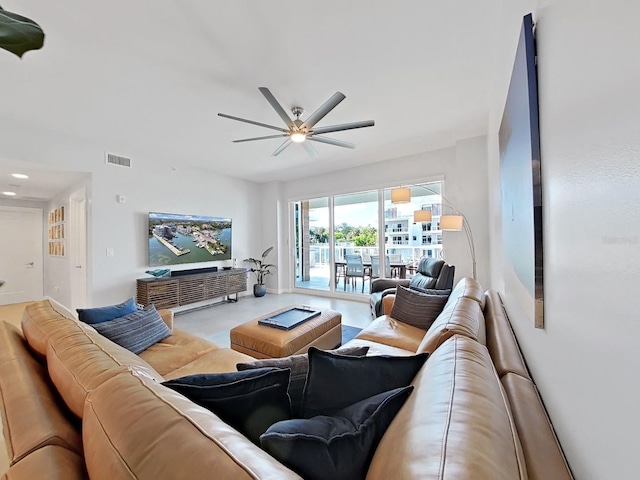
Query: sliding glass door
(312, 262)
(340, 246)
(355, 220)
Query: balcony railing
(319, 253)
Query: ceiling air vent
(118, 160)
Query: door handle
(78, 266)
(30, 264)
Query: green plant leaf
(19, 34)
(266, 252)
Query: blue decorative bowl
(159, 273)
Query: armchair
(432, 273)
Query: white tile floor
(214, 322)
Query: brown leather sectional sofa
(75, 405)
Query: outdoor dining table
(400, 267)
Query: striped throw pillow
(416, 308)
(136, 331)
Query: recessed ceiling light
(9, 194)
(19, 175)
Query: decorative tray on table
(290, 318)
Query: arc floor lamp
(454, 222)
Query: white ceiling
(148, 77)
(42, 185)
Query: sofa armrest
(387, 303)
(380, 284)
(167, 316)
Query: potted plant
(261, 269)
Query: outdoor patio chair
(395, 271)
(354, 269)
(375, 268)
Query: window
(328, 228)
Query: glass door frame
(333, 291)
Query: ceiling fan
(299, 131)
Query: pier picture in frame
(521, 183)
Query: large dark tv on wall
(521, 182)
(176, 239)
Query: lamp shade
(421, 216)
(451, 222)
(401, 195)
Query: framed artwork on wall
(56, 234)
(521, 183)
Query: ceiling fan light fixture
(298, 137)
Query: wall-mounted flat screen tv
(179, 239)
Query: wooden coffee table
(261, 341)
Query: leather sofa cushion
(79, 360)
(50, 462)
(456, 423)
(176, 351)
(219, 360)
(38, 320)
(389, 331)
(501, 341)
(376, 348)
(461, 316)
(469, 288)
(31, 411)
(158, 433)
(12, 342)
(543, 455)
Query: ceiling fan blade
(331, 141)
(325, 108)
(343, 126)
(253, 123)
(276, 106)
(260, 138)
(313, 153)
(281, 148)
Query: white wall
(463, 167)
(154, 183)
(160, 188)
(57, 269)
(585, 361)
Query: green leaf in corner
(19, 34)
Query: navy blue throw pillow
(299, 366)
(250, 401)
(136, 331)
(104, 314)
(339, 447)
(336, 381)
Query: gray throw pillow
(299, 366)
(136, 331)
(431, 291)
(416, 308)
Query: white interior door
(21, 246)
(78, 248)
